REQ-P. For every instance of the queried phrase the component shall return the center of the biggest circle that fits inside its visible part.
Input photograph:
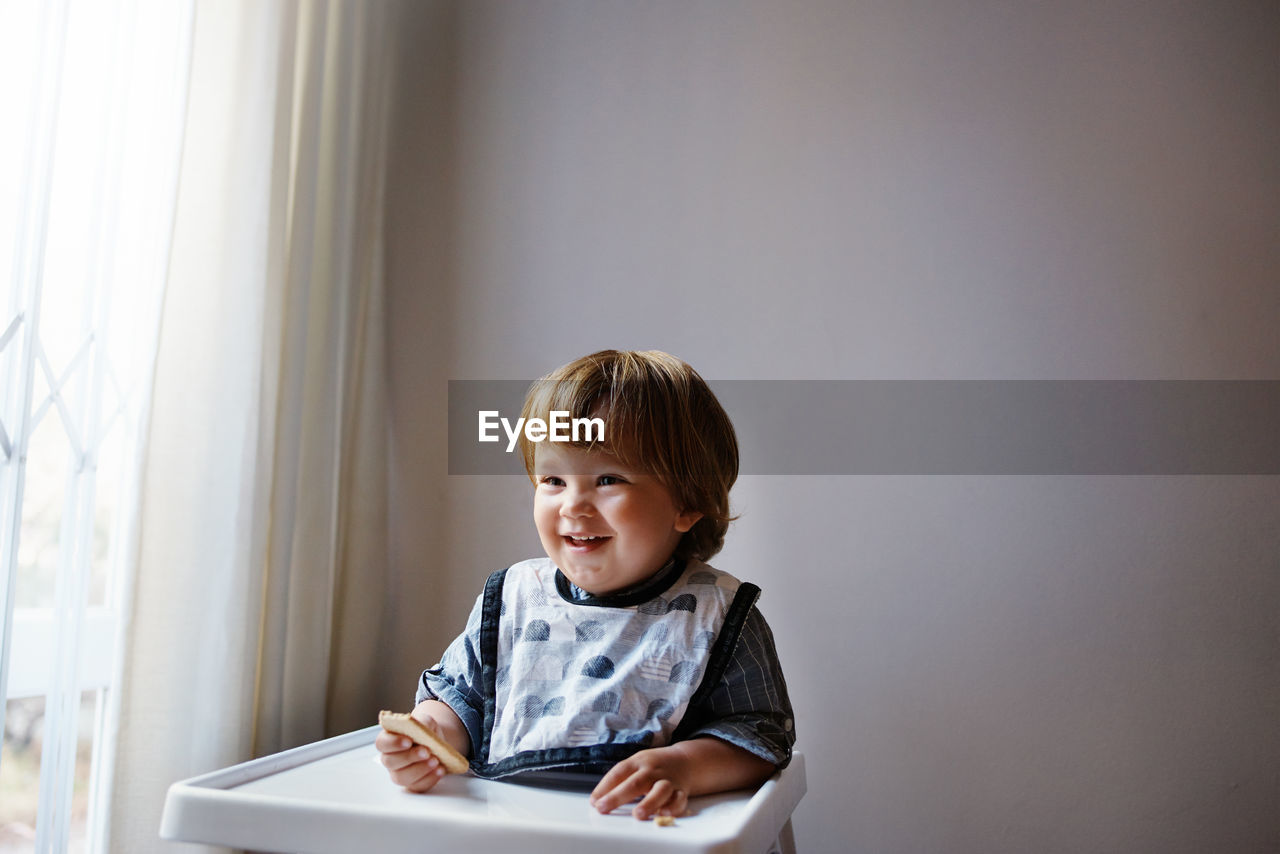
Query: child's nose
(576, 503)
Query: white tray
(334, 797)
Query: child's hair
(661, 418)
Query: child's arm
(412, 765)
(664, 778)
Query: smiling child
(620, 657)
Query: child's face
(604, 525)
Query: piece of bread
(402, 724)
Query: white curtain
(254, 618)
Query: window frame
(87, 191)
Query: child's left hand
(660, 777)
(664, 778)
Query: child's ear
(687, 520)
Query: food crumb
(665, 820)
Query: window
(93, 97)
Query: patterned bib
(573, 680)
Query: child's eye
(550, 480)
(609, 480)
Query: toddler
(620, 654)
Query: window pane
(42, 504)
(77, 840)
(20, 774)
(105, 517)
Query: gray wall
(920, 190)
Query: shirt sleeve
(456, 679)
(749, 707)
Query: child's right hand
(411, 765)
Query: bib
(583, 684)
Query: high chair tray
(334, 797)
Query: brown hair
(661, 418)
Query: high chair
(334, 797)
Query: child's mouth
(584, 543)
